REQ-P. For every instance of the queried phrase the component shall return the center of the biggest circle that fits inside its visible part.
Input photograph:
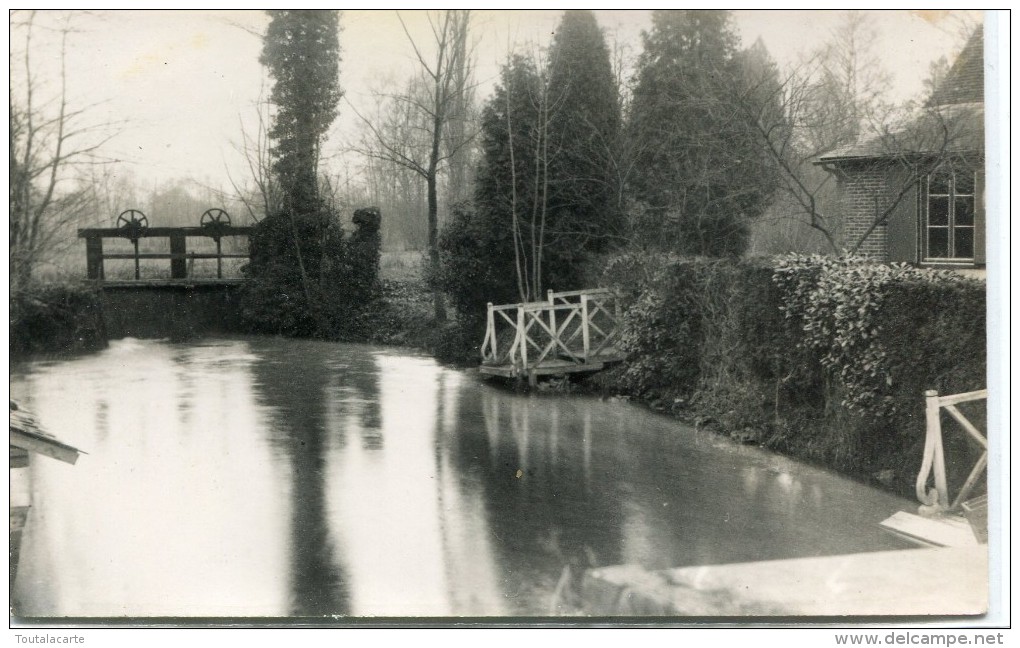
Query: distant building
(918, 192)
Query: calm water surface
(267, 477)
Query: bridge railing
(577, 327)
(133, 226)
(600, 318)
(933, 465)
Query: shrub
(56, 318)
(304, 279)
(662, 333)
(475, 264)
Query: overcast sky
(182, 81)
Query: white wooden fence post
(490, 331)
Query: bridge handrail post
(552, 325)
(585, 331)
(522, 337)
(490, 334)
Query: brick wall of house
(861, 187)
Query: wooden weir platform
(570, 332)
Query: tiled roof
(952, 121)
(965, 81)
(956, 128)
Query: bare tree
(262, 196)
(397, 189)
(832, 100)
(49, 144)
(435, 96)
(825, 105)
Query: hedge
(822, 358)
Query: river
(265, 477)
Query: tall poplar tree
(544, 194)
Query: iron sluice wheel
(132, 218)
(134, 222)
(214, 218)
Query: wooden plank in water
(559, 365)
(504, 371)
(549, 367)
(942, 531)
(26, 435)
(45, 446)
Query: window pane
(964, 242)
(938, 211)
(964, 214)
(938, 242)
(965, 183)
(938, 182)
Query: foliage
(317, 288)
(403, 316)
(662, 334)
(548, 143)
(303, 278)
(699, 168)
(275, 298)
(836, 303)
(301, 51)
(56, 318)
(474, 265)
(363, 253)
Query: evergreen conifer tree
(583, 129)
(699, 167)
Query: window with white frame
(948, 226)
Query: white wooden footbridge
(570, 332)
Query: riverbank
(56, 318)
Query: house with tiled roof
(916, 193)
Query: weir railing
(134, 226)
